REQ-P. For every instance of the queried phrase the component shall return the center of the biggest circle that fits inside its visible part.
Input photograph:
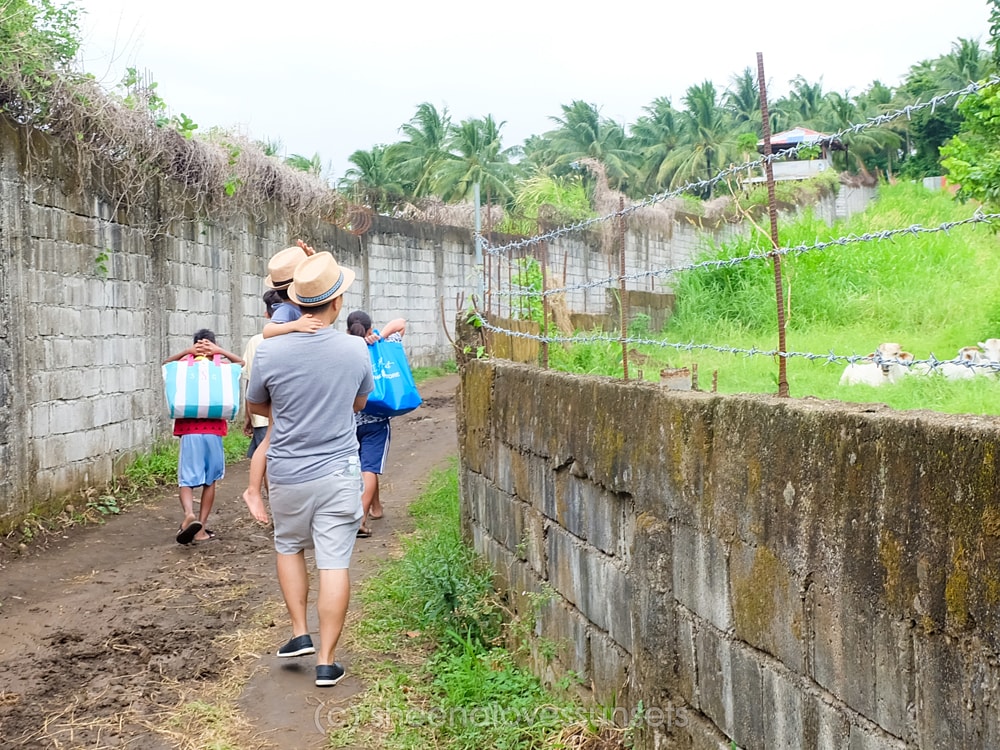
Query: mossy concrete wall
(775, 573)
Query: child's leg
(371, 483)
(380, 457)
(207, 501)
(375, 510)
(188, 459)
(187, 506)
(258, 470)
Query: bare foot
(256, 505)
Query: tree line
(669, 145)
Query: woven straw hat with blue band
(319, 279)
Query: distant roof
(798, 136)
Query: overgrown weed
(932, 293)
(455, 681)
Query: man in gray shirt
(310, 385)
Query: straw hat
(282, 265)
(319, 279)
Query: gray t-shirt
(311, 380)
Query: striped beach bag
(199, 388)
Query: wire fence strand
(978, 217)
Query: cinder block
(607, 599)
(873, 739)
(842, 640)
(730, 687)
(568, 631)
(895, 670)
(825, 727)
(533, 543)
(566, 571)
(783, 715)
(715, 677)
(948, 686)
(609, 669)
(701, 578)
(767, 609)
(687, 665)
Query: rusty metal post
(522, 301)
(772, 209)
(487, 301)
(623, 299)
(510, 300)
(545, 306)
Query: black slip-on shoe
(328, 675)
(300, 645)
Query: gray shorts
(323, 515)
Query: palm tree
(928, 129)
(709, 139)
(840, 112)
(312, 165)
(583, 133)
(417, 159)
(967, 62)
(653, 137)
(372, 179)
(742, 101)
(875, 100)
(476, 154)
(803, 105)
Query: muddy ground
(108, 631)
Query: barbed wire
(977, 217)
(748, 166)
(931, 364)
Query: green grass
(422, 374)
(466, 689)
(932, 293)
(438, 572)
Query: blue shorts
(202, 460)
(258, 437)
(373, 441)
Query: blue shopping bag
(395, 391)
(202, 388)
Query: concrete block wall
(98, 294)
(768, 572)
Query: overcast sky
(334, 77)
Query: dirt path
(106, 630)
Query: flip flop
(186, 534)
(373, 517)
(364, 533)
(211, 536)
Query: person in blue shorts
(373, 431)
(202, 460)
